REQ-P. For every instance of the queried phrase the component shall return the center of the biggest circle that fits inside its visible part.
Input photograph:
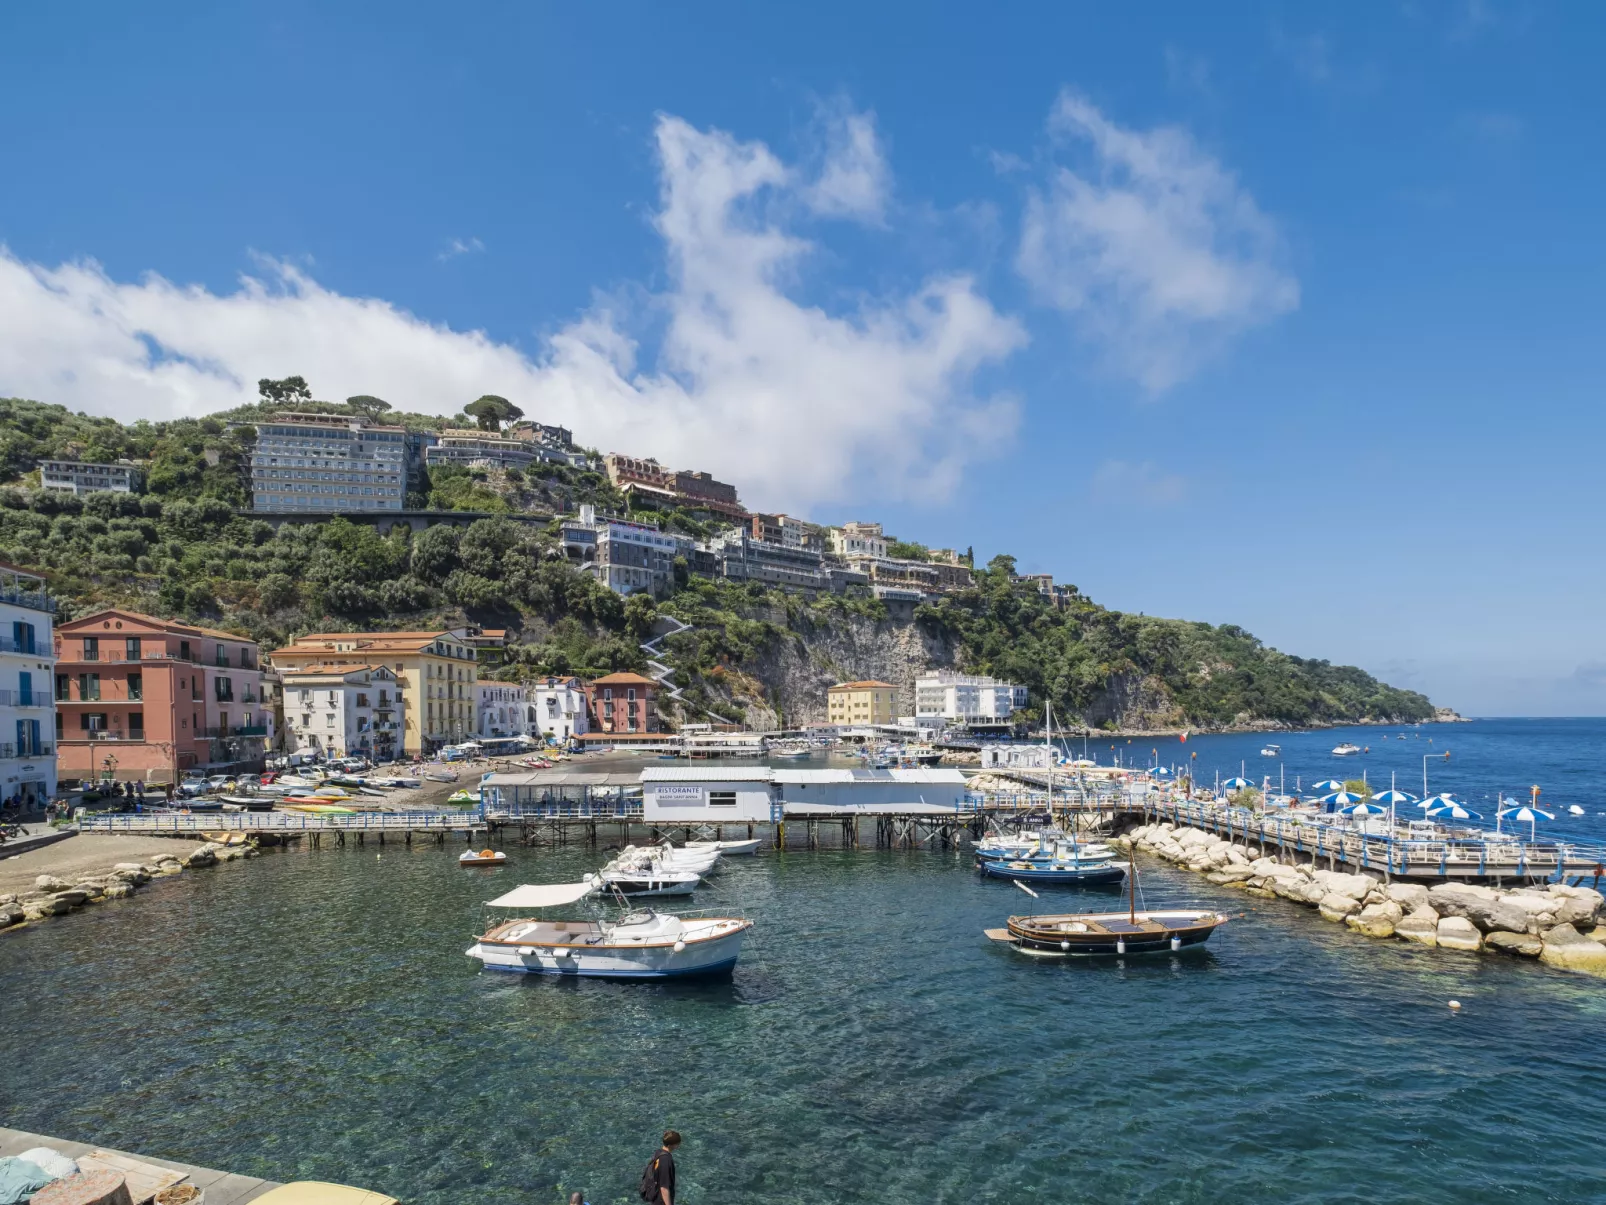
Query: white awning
(542, 895)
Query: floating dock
(221, 1188)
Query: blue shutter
(25, 688)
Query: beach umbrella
(1327, 784)
(1159, 770)
(1341, 798)
(1428, 802)
(1237, 784)
(1393, 796)
(1454, 811)
(1531, 814)
(1363, 808)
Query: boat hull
(1088, 876)
(705, 957)
(1093, 934)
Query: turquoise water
(310, 1015)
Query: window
(722, 799)
(131, 648)
(92, 721)
(91, 648)
(136, 686)
(184, 650)
(63, 687)
(306, 721)
(136, 725)
(88, 686)
(22, 636)
(222, 655)
(223, 688)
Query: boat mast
(1131, 880)
(1048, 744)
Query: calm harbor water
(310, 1015)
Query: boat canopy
(542, 895)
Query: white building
(625, 556)
(690, 795)
(858, 540)
(328, 462)
(557, 708)
(967, 698)
(502, 709)
(342, 711)
(84, 477)
(27, 679)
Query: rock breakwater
(1555, 923)
(55, 896)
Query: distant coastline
(1443, 715)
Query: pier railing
(169, 823)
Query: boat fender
(1120, 945)
(1065, 945)
(679, 946)
(1176, 943)
(526, 951)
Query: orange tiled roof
(623, 679)
(863, 686)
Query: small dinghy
(651, 880)
(481, 857)
(727, 848)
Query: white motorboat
(1271, 751)
(650, 879)
(639, 945)
(1574, 810)
(703, 861)
(1346, 750)
(727, 847)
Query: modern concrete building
(675, 795)
(869, 702)
(625, 556)
(515, 449)
(558, 708)
(342, 711)
(622, 703)
(436, 672)
(502, 709)
(146, 699)
(787, 532)
(854, 540)
(27, 709)
(85, 477)
(967, 699)
(650, 484)
(740, 556)
(328, 462)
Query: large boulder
(1500, 916)
(1409, 896)
(1527, 944)
(1237, 856)
(1458, 933)
(73, 897)
(1421, 926)
(205, 856)
(1355, 886)
(1336, 907)
(11, 914)
(38, 909)
(1579, 910)
(119, 891)
(1375, 920)
(50, 884)
(1539, 906)
(1565, 946)
(1457, 899)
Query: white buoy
(1065, 945)
(1120, 945)
(1454, 1004)
(1176, 943)
(679, 946)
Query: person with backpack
(658, 1181)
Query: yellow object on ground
(316, 1192)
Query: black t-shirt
(666, 1174)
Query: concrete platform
(221, 1188)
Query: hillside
(182, 549)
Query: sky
(1281, 315)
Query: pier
(283, 826)
(144, 1175)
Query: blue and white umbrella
(1428, 802)
(1341, 798)
(1237, 784)
(1327, 784)
(1393, 796)
(1532, 815)
(1363, 808)
(1159, 770)
(1454, 811)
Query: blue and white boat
(1061, 862)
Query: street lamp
(1425, 757)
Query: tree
(490, 412)
(291, 391)
(372, 406)
(1003, 564)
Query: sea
(310, 1014)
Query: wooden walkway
(221, 1188)
(293, 825)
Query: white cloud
(855, 181)
(1154, 248)
(1122, 483)
(796, 405)
(457, 246)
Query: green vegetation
(184, 549)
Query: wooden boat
(1082, 934)
(726, 848)
(481, 857)
(639, 945)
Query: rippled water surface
(311, 1015)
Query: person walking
(658, 1181)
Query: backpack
(649, 1181)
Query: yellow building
(862, 703)
(436, 673)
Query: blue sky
(1280, 315)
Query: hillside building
(622, 703)
(503, 709)
(967, 699)
(740, 556)
(626, 556)
(328, 462)
(647, 483)
(868, 702)
(857, 540)
(86, 477)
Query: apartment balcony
(242, 730)
(95, 735)
(28, 698)
(32, 599)
(70, 655)
(40, 648)
(10, 750)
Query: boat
(641, 944)
(667, 857)
(465, 798)
(1083, 934)
(727, 848)
(1271, 751)
(481, 857)
(1061, 864)
(650, 880)
(1346, 750)
(440, 775)
(1574, 810)
(317, 809)
(251, 803)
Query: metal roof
(805, 777)
(708, 774)
(561, 778)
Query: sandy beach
(84, 853)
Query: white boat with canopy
(641, 944)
